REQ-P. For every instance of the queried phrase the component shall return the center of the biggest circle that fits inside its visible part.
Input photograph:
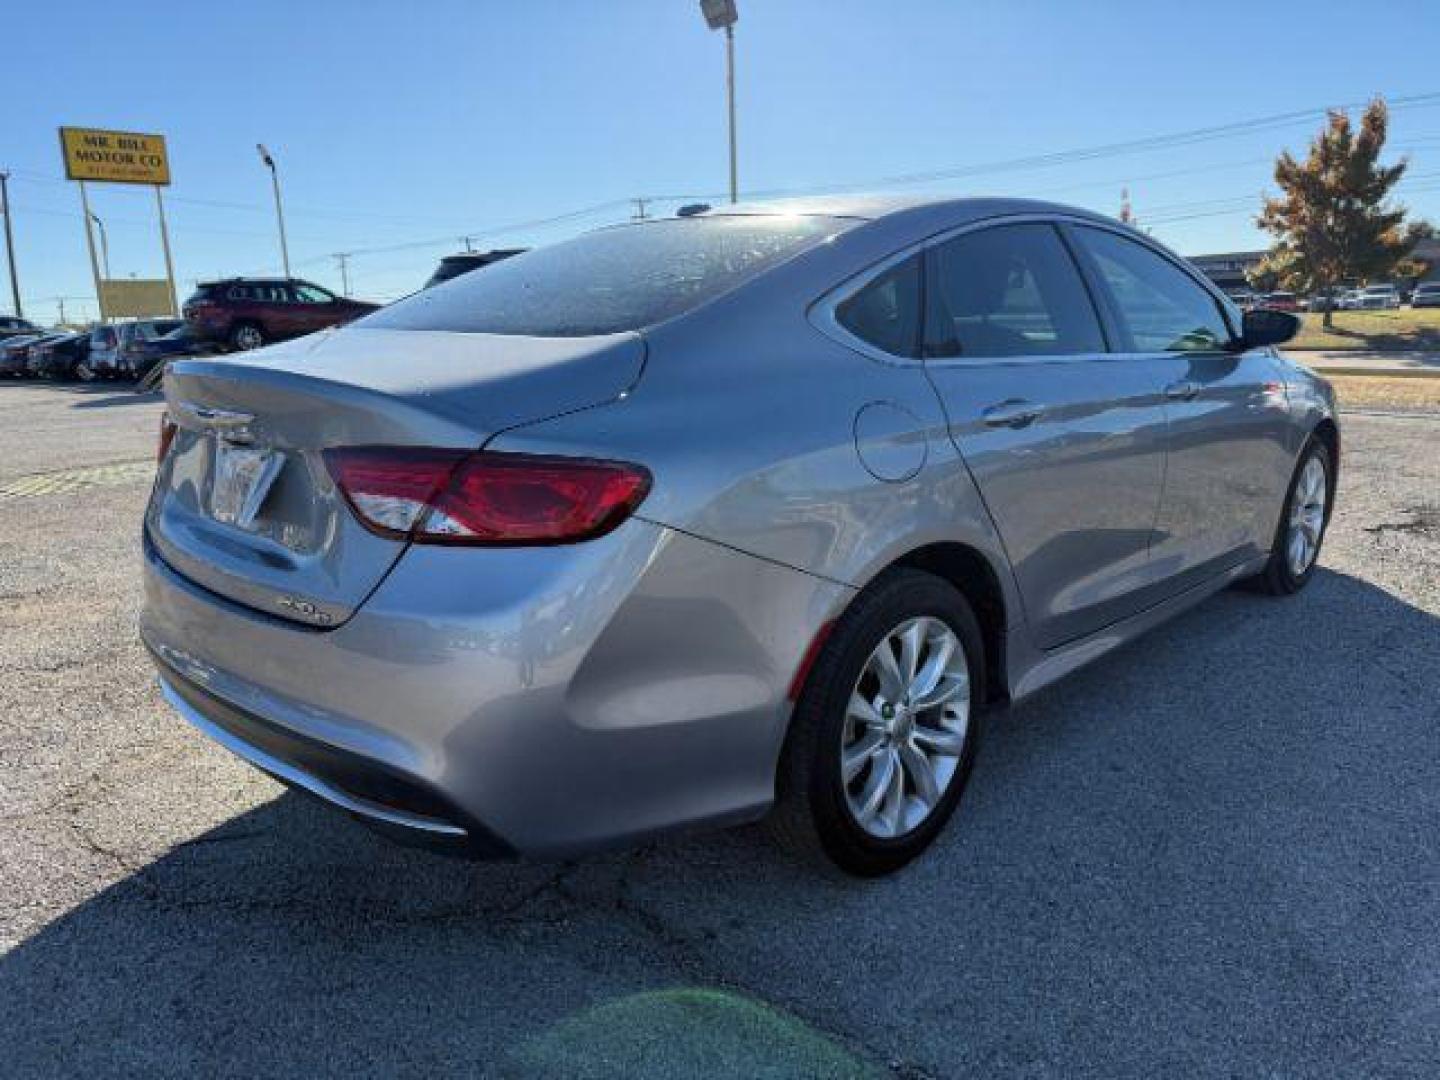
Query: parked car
(1426, 294)
(180, 341)
(12, 326)
(60, 357)
(246, 313)
(1378, 298)
(119, 350)
(1243, 298)
(31, 351)
(768, 506)
(452, 266)
(13, 352)
(1280, 301)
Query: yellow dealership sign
(132, 298)
(117, 157)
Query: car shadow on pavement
(1212, 853)
(102, 395)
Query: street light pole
(730, 101)
(722, 15)
(10, 242)
(279, 213)
(104, 244)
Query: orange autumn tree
(1334, 220)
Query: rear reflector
(167, 436)
(466, 497)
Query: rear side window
(886, 312)
(1160, 306)
(1011, 290)
(609, 281)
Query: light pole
(279, 214)
(104, 243)
(721, 15)
(10, 242)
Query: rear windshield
(609, 281)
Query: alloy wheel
(905, 727)
(1307, 516)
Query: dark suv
(246, 313)
(13, 326)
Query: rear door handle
(1015, 413)
(1183, 390)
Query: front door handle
(1184, 390)
(1015, 413)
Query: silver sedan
(693, 522)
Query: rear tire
(856, 736)
(246, 336)
(1295, 551)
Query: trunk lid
(243, 504)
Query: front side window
(886, 312)
(1011, 290)
(312, 294)
(613, 280)
(1161, 307)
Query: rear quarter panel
(748, 417)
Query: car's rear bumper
(541, 701)
(405, 808)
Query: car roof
(252, 281)
(876, 207)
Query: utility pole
(640, 214)
(343, 258)
(10, 242)
(466, 241)
(61, 301)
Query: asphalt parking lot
(1216, 853)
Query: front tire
(884, 733)
(1296, 549)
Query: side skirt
(1030, 668)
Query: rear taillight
(167, 436)
(467, 497)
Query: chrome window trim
(822, 313)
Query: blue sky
(406, 126)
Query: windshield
(612, 280)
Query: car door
(1229, 440)
(1064, 438)
(315, 309)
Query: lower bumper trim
(321, 770)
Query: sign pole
(90, 242)
(165, 244)
(10, 243)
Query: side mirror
(1262, 326)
